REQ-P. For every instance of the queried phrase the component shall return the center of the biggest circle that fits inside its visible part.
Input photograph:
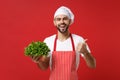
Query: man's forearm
(90, 60)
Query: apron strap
(55, 43)
(73, 46)
(54, 47)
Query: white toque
(65, 11)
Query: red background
(23, 21)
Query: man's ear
(54, 23)
(70, 21)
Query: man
(65, 49)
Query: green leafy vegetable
(36, 49)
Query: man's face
(62, 23)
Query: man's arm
(90, 60)
(41, 61)
(88, 57)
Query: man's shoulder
(49, 38)
(77, 36)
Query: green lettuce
(36, 49)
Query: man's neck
(63, 36)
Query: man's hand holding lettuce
(38, 51)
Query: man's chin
(62, 31)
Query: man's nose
(61, 21)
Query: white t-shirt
(64, 46)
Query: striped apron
(63, 64)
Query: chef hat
(66, 11)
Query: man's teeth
(62, 25)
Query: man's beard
(62, 29)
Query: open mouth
(62, 25)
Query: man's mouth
(62, 26)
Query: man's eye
(65, 18)
(58, 19)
